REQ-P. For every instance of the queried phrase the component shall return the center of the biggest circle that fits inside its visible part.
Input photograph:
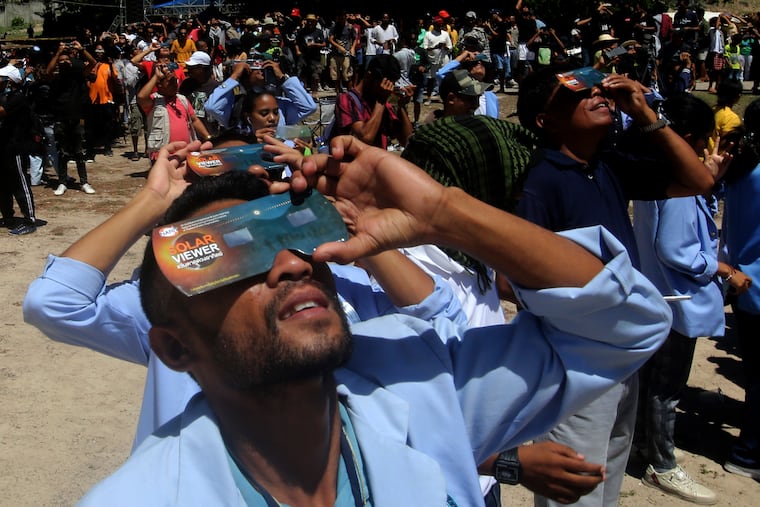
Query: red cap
(444, 14)
(296, 12)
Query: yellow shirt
(726, 120)
(182, 53)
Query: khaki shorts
(136, 122)
(344, 64)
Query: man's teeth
(302, 306)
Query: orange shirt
(99, 91)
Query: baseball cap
(444, 14)
(296, 12)
(267, 21)
(463, 83)
(471, 15)
(10, 72)
(198, 58)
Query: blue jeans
(662, 381)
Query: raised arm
(690, 175)
(389, 203)
(103, 246)
(403, 281)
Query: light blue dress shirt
(295, 102)
(741, 231)
(70, 303)
(458, 396)
(677, 241)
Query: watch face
(507, 473)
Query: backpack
(666, 27)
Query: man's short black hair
(384, 66)
(535, 91)
(689, 115)
(155, 292)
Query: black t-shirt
(526, 27)
(16, 127)
(498, 43)
(70, 95)
(343, 35)
(306, 37)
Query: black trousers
(14, 172)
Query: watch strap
(659, 124)
(506, 468)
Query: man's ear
(170, 349)
(541, 120)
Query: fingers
(716, 147)
(343, 253)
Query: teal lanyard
(350, 469)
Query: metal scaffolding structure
(181, 9)
(188, 8)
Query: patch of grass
(704, 470)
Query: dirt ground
(68, 414)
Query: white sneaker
(677, 482)
(87, 189)
(60, 190)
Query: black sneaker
(23, 229)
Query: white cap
(11, 72)
(198, 58)
(471, 15)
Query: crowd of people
(285, 386)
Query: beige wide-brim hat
(605, 39)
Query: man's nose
(289, 265)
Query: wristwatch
(506, 468)
(659, 124)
